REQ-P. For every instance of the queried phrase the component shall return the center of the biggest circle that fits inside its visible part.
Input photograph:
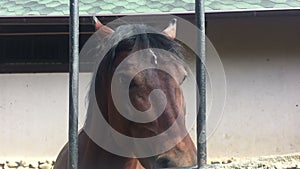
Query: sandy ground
(289, 161)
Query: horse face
(182, 154)
(141, 85)
(140, 88)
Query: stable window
(37, 48)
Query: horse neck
(93, 156)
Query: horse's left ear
(98, 25)
(170, 31)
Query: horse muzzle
(165, 163)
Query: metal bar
(43, 33)
(201, 83)
(73, 84)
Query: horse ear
(98, 25)
(170, 31)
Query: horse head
(138, 89)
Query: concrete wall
(34, 114)
(261, 59)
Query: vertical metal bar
(73, 83)
(201, 83)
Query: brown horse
(183, 153)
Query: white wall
(262, 64)
(34, 114)
(261, 115)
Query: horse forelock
(137, 37)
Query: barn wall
(261, 58)
(261, 114)
(34, 114)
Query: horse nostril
(163, 162)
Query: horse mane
(129, 38)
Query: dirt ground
(289, 161)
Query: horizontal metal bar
(42, 33)
(164, 13)
(86, 19)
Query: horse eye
(123, 79)
(132, 84)
(183, 79)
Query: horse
(183, 153)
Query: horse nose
(164, 162)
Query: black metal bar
(73, 84)
(201, 83)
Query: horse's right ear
(99, 26)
